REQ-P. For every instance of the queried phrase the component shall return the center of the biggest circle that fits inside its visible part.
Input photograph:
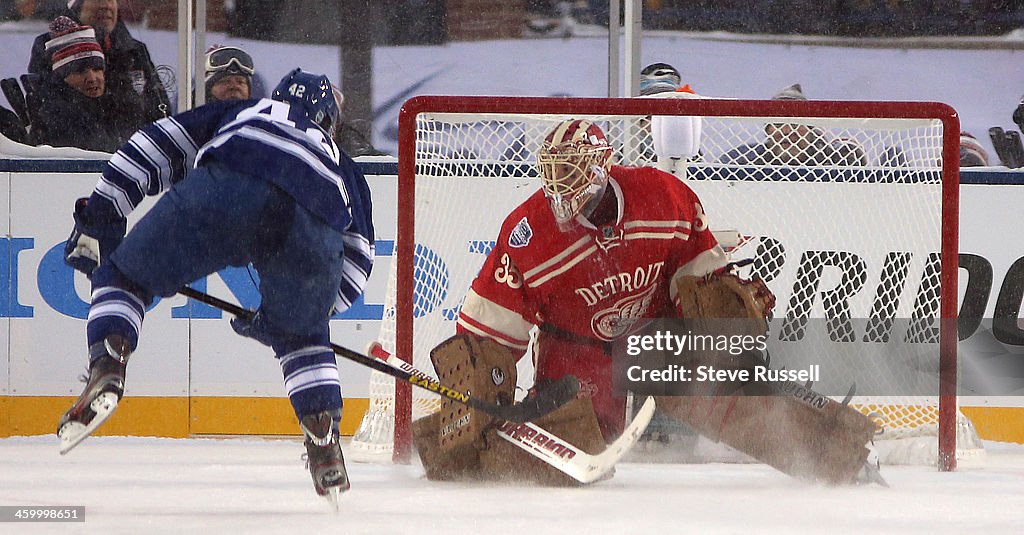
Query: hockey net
(854, 228)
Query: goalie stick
(555, 396)
(548, 447)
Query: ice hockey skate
(871, 471)
(103, 390)
(323, 455)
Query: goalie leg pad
(440, 464)
(574, 422)
(481, 367)
(800, 433)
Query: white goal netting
(845, 208)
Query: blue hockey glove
(255, 328)
(93, 238)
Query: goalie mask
(574, 162)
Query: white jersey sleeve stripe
(150, 151)
(117, 196)
(180, 137)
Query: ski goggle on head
(230, 60)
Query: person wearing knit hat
(228, 73)
(75, 107)
(797, 143)
(972, 154)
(129, 73)
(76, 57)
(792, 92)
(793, 144)
(659, 78)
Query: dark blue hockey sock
(115, 309)
(311, 379)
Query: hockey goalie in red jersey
(585, 259)
(596, 254)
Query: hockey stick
(553, 397)
(16, 98)
(548, 447)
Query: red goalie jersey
(586, 286)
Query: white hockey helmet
(574, 162)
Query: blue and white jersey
(263, 138)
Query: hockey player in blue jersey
(269, 187)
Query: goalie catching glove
(723, 294)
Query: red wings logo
(615, 321)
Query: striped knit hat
(972, 154)
(73, 47)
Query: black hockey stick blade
(560, 393)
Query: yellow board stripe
(172, 417)
(260, 416)
(1002, 424)
(177, 417)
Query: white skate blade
(72, 433)
(332, 497)
(870, 473)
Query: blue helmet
(313, 93)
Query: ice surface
(260, 486)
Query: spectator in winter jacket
(76, 110)
(796, 144)
(130, 72)
(228, 73)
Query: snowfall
(254, 486)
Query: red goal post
(940, 144)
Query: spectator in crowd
(129, 72)
(348, 137)
(972, 154)
(796, 144)
(228, 73)
(661, 78)
(76, 110)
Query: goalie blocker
(459, 443)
